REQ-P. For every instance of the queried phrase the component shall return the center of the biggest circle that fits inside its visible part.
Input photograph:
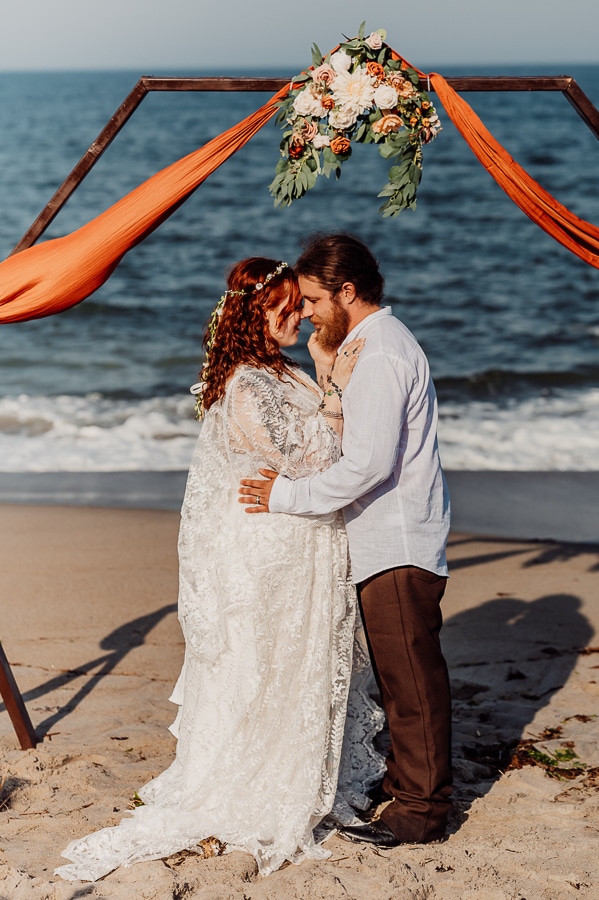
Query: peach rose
(387, 124)
(323, 74)
(328, 102)
(396, 80)
(407, 90)
(340, 145)
(308, 130)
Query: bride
(267, 609)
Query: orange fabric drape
(576, 234)
(51, 277)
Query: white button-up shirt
(389, 482)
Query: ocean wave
(558, 432)
(96, 433)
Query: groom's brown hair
(333, 259)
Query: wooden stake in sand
(15, 705)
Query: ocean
(509, 319)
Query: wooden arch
(563, 83)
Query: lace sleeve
(277, 424)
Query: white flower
(385, 96)
(342, 119)
(341, 61)
(308, 103)
(353, 91)
(320, 141)
(374, 40)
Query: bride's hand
(323, 359)
(345, 362)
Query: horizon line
(253, 69)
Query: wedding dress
(268, 612)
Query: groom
(391, 488)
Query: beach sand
(89, 625)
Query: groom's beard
(332, 329)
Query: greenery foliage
(362, 92)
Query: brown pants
(402, 617)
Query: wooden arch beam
(564, 83)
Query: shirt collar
(357, 330)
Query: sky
(155, 36)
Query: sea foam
(94, 433)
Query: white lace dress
(267, 610)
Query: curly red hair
(243, 335)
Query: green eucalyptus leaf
(312, 176)
(396, 172)
(361, 30)
(387, 150)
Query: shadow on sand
(507, 658)
(118, 643)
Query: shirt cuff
(280, 495)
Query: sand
(89, 626)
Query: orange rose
(413, 120)
(375, 70)
(387, 124)
(328, 102)
(340, 145)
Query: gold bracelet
(331, 415)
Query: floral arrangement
(361, 92)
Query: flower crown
(362, 92)
(198, 388)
